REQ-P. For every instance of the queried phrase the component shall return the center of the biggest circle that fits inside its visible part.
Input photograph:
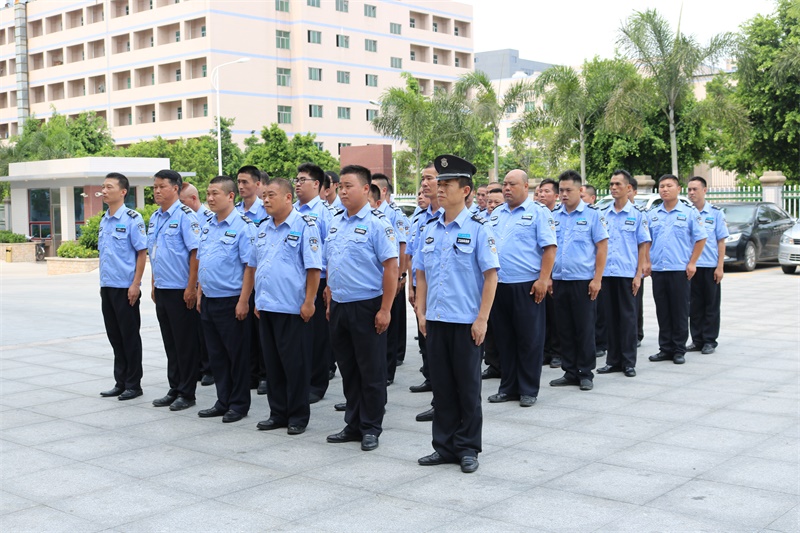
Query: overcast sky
(569, 31)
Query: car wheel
(749, 263)
(788, 269)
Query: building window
(205, 110)
(458, 62)
(397, 62)
(435, 27)
(342, 5)
(530, 106)
(314, 37)
(412, 23)
(511, 109)
(152, 41)
(202, 31)
(370, 11)
(152, 116)
(180, 113)
(204, 70)
(343, 145)
(129, 82)
(178, 36)
(508, 132)
(455, 31)
(282, 5)
(130, 119)
(370, 45)
(343, 41)
(314, 74)
(412, 55)
(127, 46)
(177, 74)
(342, 76)
(343, 113)
(435, 59)
(319, 145)
(371, 114)
(372, 80)
(315, 111)
(282, 39)
(284, 77)
(153, 79)
(395, 28)
(284, 114)
(312, 3)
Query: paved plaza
(711, 445)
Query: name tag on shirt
(630, 221)
(230, 234)
(527, 217)
(710, 220)
(121, 228)
(581, 222)
(464, 238)
(682, 218)
(361, 229)
(293, 236)
(173, 224)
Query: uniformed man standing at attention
(547, 193)
(706, 292)
(226, 285)
(123, 253)
(628, 250)
(361, 262)
(633, 191)
(526, 245)
(577, 279)
(678, 241)
(456, 280)
(288, 259)
(172, 241)
(332, 197)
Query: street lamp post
(215, 84)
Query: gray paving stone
(779, 476)
(779, 447)
(59, 483)
(525, 467)
(479, 524)
(627, 427)
(285, 455)
(153, 460)
(92, 446)
(14, 418)
(367, 470)
(43, 432)
(567, 443)
(26, 460)
(80, 406)
(649, 520)
(676, 460)
(745, 421)
(709, 438)
(199, 516)
(788, 523)
(34, 396)
(658, 410)
(11, 503)
(46, 520)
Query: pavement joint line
(80, 338)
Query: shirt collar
(362, 213)
(525, 206)
(118, 214)
(460, 219)
(289, 220)
(579, 209)
(706, 208)
(230, 218)
(663, 207)
(310, 204)
(383, 207)
(170, 210)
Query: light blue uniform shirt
(256, 213)
(225, 249)
(716, 229)
(121, 236)
(454, 257)
(321, 214)
(521, 236)
(420, 219)
(281, 256)
(396, 224)
(674, 235)
(171, 238)
(355, 250)
(402, 225)
(626, 231)
(337, 204)
(577, 233)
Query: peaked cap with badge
(452, 167)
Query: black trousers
(575, 314)
(518, 324)
(257, 371)
(423, 349)
(552, 342)
(601, 331)
(671, 294)
(361, 355)
(620, 307)
(455, 365)
(705, 301)
(640, 309)
(321, 355)
(228, 342)
(395, 331)
(179, 333)
(205, 366)
(491, 355)
(122, 321)
(286, 343)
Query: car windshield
(738, 214)
(640, 200)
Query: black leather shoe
(340, 406)
(262, 387)
(268, 424)
(469, 464)
(563, 382)
(527, 401)
(207, 380)
(369, 442)
(425, 416)
(232, 416)
(296, 430)
(600, 353)
(630, 372)
(130, 394)
(608, 369)
(679, 359)
(343, 436)
(555, 362)
(639, 343)
(116, 391)
(692, 347)
(490, 373)
(586, 384)
(165, 401)
(425, 386)
(400, 362)
(708, 349)
(501, 397)
(432, 460)
(389, 382)
(661, 356)
(331, 374)
(180, 404)
(210, 413)
(314, 398)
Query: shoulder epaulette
(339, 212)
(208, 213)
(478, 219)
(378, 213)
(186, 209)
(310, 221)
(238, 204)
(395, 207)
(434, 217)
(591, 206)
(715, 207)
(639, 207)
(132, 213)
(540, 204)
(246, 219)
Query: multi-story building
(146, 65)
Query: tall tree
(275, 154)
(670, 59)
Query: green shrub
(8, 237)
(146, 212)
(90, 231)
(75, 250)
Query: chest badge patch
(464, 238)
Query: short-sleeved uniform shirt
(171, 237)
(716, 229)
(578, 234)
(120, 238)
(626, 231)
(355, 250)
(419, 220)
(282, 256)
(318, 212)
(256, 213)
(225, 249)
(674, 234)
(522, 234)
(454, 257)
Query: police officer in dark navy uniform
(226, 285)
(123, 253)
(456, 280)
(172, 241)
(361, 263)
